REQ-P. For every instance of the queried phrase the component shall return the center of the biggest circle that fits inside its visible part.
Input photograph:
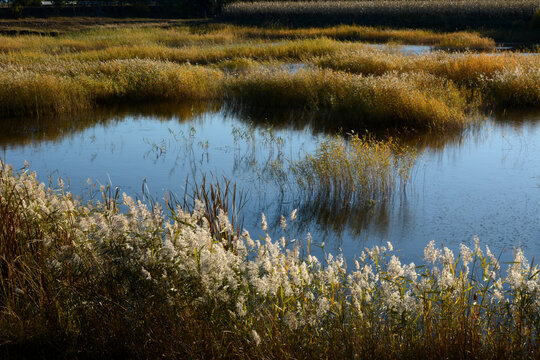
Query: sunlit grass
(184, 36)
(79, 86)
(295, 50)
(504, 79)
(414, 100)
(82, 70)
(455, 40)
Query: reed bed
(81, 71)
(89, 280)
(223, 34)
(455, 40)
(358, 170)
(285, 50)
(503, 79)
(419, 100)
(437, 14)
(203, 54)
(78, 86)
(102, 38)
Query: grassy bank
(117, 278)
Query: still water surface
(483, 182)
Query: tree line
(184, 7)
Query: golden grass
(285, 50)
(414, 100)
(102, 38)
(456, 40)
(513, 87)
(33, 94)
(459, 67)
(503, 79)
(75, 87)
(78, 71)
(181, 36)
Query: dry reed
(89, 280)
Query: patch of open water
(483, 182)
(426, 49)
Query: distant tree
(17, 6)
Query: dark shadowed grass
(438, 14)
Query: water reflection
(484, 181)
(34, 130)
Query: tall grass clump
(66, 87)
(29, 93)
(117, 277)
(134, 79)
(513, 87)
(359, 169)
(417, 100)
(505, 79)
(217, 199)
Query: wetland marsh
(339, 148)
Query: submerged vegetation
(117, 277)
(249, 65)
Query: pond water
(425, 49)
(485, 181)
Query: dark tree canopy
(197, 8)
